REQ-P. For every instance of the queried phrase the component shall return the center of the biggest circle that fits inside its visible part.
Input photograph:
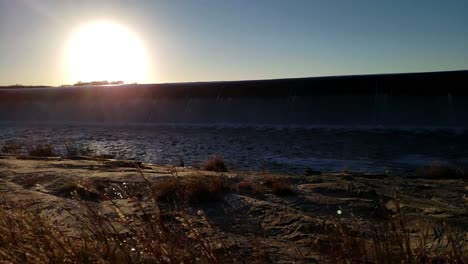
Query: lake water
(291, 149)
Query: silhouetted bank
(438, 99)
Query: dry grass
(11, 147)
(392, 241)
(42, 150)
(249, 187)
(71, 150)
(279, 185)
(146, 234)
(191, 190)
(121, 238)
(215, 163)
(282, 188)
(437, 170)
(26, 238)
(76, 149)
(268, 184)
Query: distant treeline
(24, 86)
(65, 85)
(98, 83)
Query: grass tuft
(215, 163)
(77, 149)
(11, 147)
(282, 188)
(42, 150)
(437, 170)
(279, 185)
(249, 187)
(191, 190)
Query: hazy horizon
(188, 41)
(238, 80)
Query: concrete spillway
(407, 100)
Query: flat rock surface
(285, 226)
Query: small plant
(345, 170)
(11, 147)
(77, 149)
(268, 180)
(215, 163)
(181, 162)
(42, 150)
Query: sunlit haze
(53, 42)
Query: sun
(106, 51)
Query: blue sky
(203, 40)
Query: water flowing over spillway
(129, 107)
(328, 122)
(392, 101)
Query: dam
(368, 123)
(393, 101)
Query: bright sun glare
(106, 51)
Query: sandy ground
(287, 227)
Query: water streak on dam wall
(393, 100)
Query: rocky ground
(283, 217)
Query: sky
(210, 40)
